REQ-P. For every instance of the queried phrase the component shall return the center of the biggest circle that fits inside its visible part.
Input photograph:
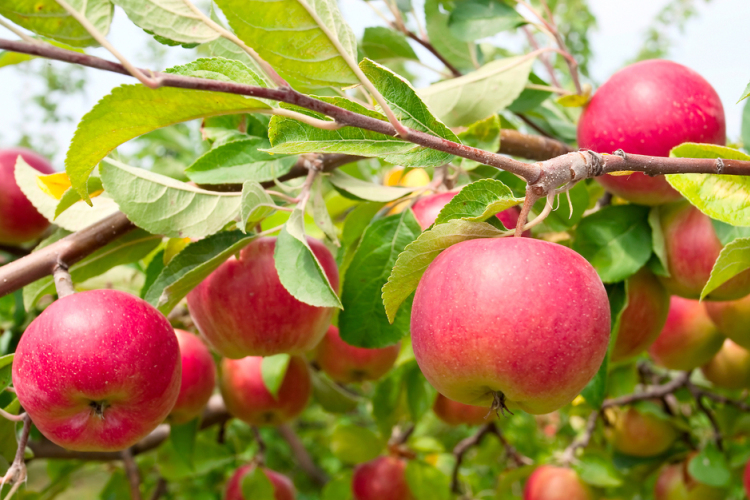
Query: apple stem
(16, 474)
(528, 202)
(260, 455)
(498, 405)
(11, 417)
(63, 281)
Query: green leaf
(48, 19)
(728, 233)
(239, 161)
(298, 268)
(332, 397)
(427, 482)
(170, 19)
(745, 129)
(384, 44)
(419, 393)
(6, 366)
(387, 399)
(132, 247)
(746, 93)
(8, 440)
(273, 370)
(530, 99)
(183, 439)
(376, 254)
(598, 471)
(358, 220)
(254, 207)
(117, 487)
(71, 196)
(710, 467)
(369, 191)
(290, 38)
(436, 22)
(464, 100)
(615, 240)
(657, 240)
(154, 268)
(353, 444)
(722, 197)
(733, 259)
(475, 19)
(413, 261)
(484, 134)
(478, 201)
(163, 205)
(191, 266)
(257, 486)
(339, 488)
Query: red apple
(556, 483)
(746, 479)
(692, 249)
(97, 370)
(730, 368)
(19, 220)
(733, 319)
(649, 108)
(641, 434)
(248, 399)
(198, 378)
(345, 363)
(242, 309)
(283, 488)
(455, 413)
(689, 338)
(380, 479)
(676, 483)
(643, 318)
(512, 320)
(427, 208)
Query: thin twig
(463, 446)
(583, 441)
(653, 392)
(63, 281)
(16, 474)
(260, 456)
(11, 417)
(23, 36)
(160, 489)
(301, 455)
(134, 477)
(512, 452)
(544, 58)
(698, 396)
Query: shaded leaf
(427, 482)
(485, 135)
(384, 44)
(332, 397)
(476, 19)
(171, 19)
(273, 370)
(733, 259)
(182, 437)
(367, 190)
(353, 444)
(254, 207)
(478, 201)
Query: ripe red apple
(198, 378)
(248, 399)
(19, 220)
(649, 108)
(512, 320)
(730, 368)
(640, 434)
(676, 483)
(242, 309)
(283, 488)
(381, 478)
(427, 208)
(643, 318)
(692, 249)
(346, 363)
(689, 338)
(556, 483)
(746, 479)
(97, 370)
(733, 319)
(455, 413)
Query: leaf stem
(315, 122)
(23, 36)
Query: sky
(715, 43)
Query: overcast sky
(716, 44)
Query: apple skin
(692, 248)
(380, 479)
(733, 319)
(556, 483)
(20, 221)
(643, 318)
(283, 488)
(94, 347)
(247, 398)
(198, 378)
(676, 483)
(730, 368)
(488, 321)
(455, 413)
(689, 338)
(427, 208)
(242, 309)
(648, 108)
(746, 479)
(346, 363)
(641, 434)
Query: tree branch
(698, 396)
(427, 45)
(654, 392)
(303, 457)
(134, 477)
(160, 489)
(583, 441)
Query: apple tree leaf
(386, 45)
(427, 482)
(369, 191)
(256, 485)
(273, 370)
(477, 19)
(255, 204)
(183, 437)
(478, 201)
(171, 19)
(733, 259)
(710, 467)
(484, 134)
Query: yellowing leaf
(54, 185)
(576, 100)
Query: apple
(97, 370)
(692, 248)
(643, 317)
(649, 108)
(427, 208)
(283, 488)
(346, 363)
(19, 220)
(242, 309)
(415, 177)
(248, 399)
(676, 483)
(733, 319)
(640, 434)
(689, 338)
(510, 320)
(380, 479)
(455, 413)
(556, 483)
(198, 378)
(730, 368)
(746, 479)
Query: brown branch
(63, 281)
(654, 392)
(303, 457)
(724, 400)
(427, 45)
(16, 473)
(134, 477)
(517, 457)
(160, 489)
(583, 441)
(533, 147)
(698, 396)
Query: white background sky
(716, 43)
